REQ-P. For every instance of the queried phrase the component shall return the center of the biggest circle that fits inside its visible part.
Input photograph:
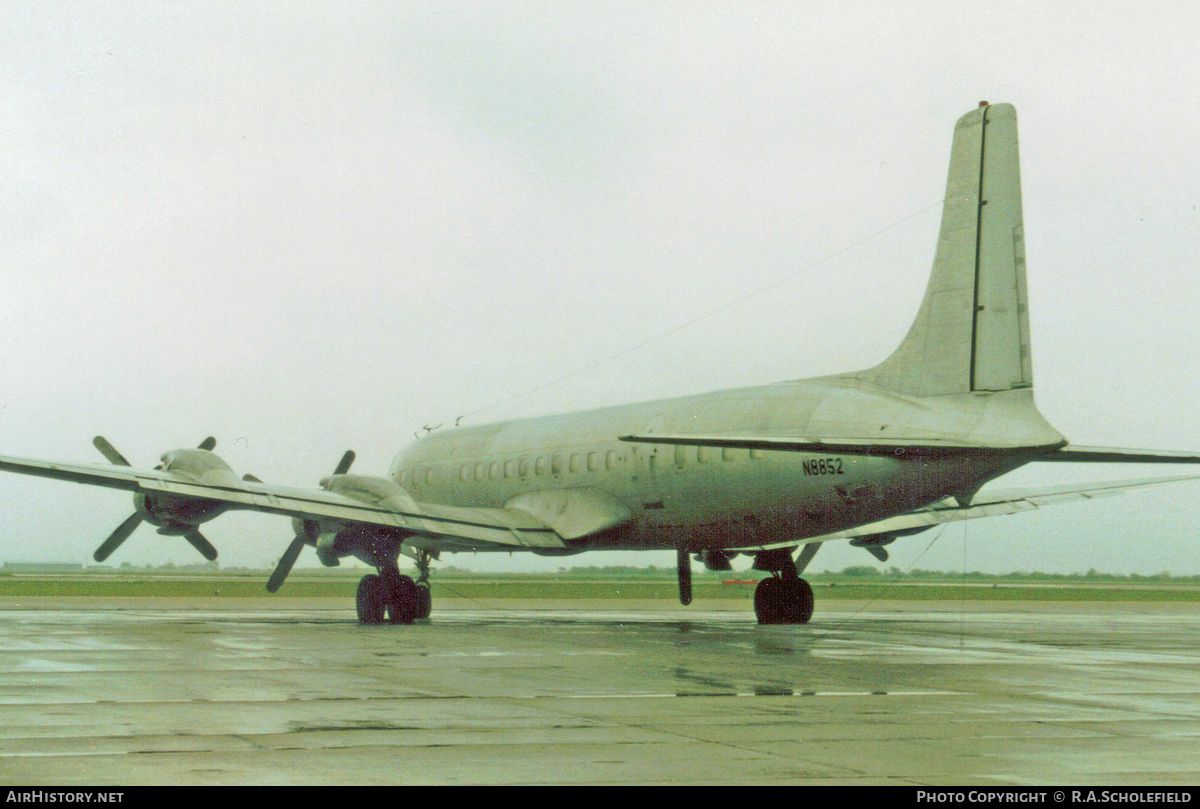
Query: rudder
(972, 330)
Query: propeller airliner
(771, 472)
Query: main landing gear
(784, 598)
(783, 601)
(393, 597)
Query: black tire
(400, 598)
(424, 601)
(767, 600)
(783, 601)
(369, 600)
(804, 602)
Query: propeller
(344, 464)
(109, 451)
(197, 541)
(284, 567)
(285, 564)
(117, 537)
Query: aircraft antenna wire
(705, 316)
(887, 585)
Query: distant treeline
(867, 571)
(854, 572)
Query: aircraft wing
(988, 504)
(463, 527)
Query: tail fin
(972, 331)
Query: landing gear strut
(424, 598)
(785, 598)
(684, 564)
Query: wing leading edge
(480, 528)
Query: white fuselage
(699, 497)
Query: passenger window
(610, 459)
(494, 470)
(510, 469)
(523, 468)
(462, 473)
(757, 453)
(429, 475)
(680, 455)
(415, 478)
(556, 465)
(593, 461)
(728, 454)
(479, 471)
(575, 462)
(702, 454)
(539, 468)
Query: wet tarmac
(144, 691)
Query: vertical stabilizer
(972, 331)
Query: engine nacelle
(376, 545)
(175, 514)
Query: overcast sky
(307, 227)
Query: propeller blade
(208, 443)
(285, 564)
(877, 551)
(197, 541)
(108, 451)
(117, 537)
(250, 478)
(344, 464)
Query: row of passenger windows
(553, 464)
(704, 454)
(576, 462)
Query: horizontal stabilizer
(1078, 454)
(931, 447)
(986, 504)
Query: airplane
(771, 472)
